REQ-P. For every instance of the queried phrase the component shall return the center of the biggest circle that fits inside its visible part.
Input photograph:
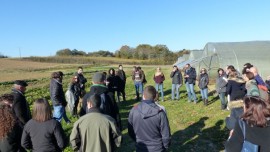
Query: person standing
(203, 85)
(10, 129)
(221, 83)
(159, 78)
(109, 105)
(95, 132)
(255, 120)
(81, 79)
(75, 89)
(58, 97)
(121, 73)
(42, 132)
(20, 105)
(120, 86)
(137, 77)
(190, 79)
(177, 81)
(148, 124)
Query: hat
(98, 77)
(21, 83)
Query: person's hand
(231, 132)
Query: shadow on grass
(195, 138)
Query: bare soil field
(13, 69)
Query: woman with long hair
(257, 126)
(10, 131)
(203, 85)
(42, 133)
(159, 78)
(75, 89)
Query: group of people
(98, 127)
(249, 105)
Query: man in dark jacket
(58, 97)
(190, 79)
(121, 73)
(20, 105)
(99, 88)
(177, 81)
(148, 124)
(81, 80)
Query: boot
(205, 102)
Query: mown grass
(194, 127)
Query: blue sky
(40, 28)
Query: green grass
(194, 127)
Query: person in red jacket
(159, 78)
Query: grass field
(194, 127)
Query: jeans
(191, 92)
(138, 88)
(204, 93)
(175, 89)
(222, 99)
(160, 87)
(59, 112)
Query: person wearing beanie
(108, 105)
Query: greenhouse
(216, 55)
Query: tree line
(157, 53)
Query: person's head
(120, 67)
(6, 99)
(248, 76)
(94, 101)
(175, 67)
(233, 74)
(98, 78)
(229, 69)
(42, 110)
(158, 69)
(220, 71)
(20, 85)
(80, 70)
(139, 68)
(254, 70)
(256, 111)
(117, 72)
(7, 120)
(187, 65)
(61, 74)
(74, 79)
(111, 71)
(246, 68)
(203, 70)
(149, 93)
(248, 65)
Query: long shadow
(195, 138)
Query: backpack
(106, 105)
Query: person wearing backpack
(108, 104)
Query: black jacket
(20, 107)
(82, 80)
(236, 89)
(255, 135)
(148, 125)
(109, 97)
(57, 93)
(12, 142)
(76, 90)
(191, 72)
(122, 75)
(45, 136)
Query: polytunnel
(219, 55)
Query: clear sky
(41, 27)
